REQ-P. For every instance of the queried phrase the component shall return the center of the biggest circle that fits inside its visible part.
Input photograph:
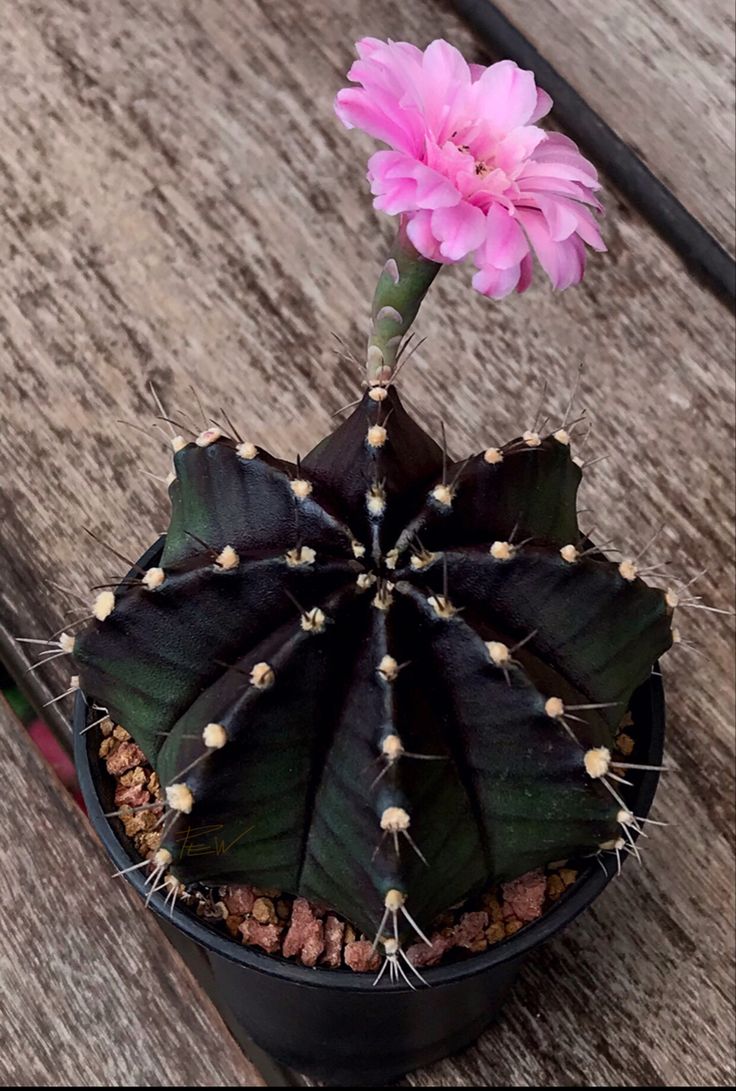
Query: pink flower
(468, 168)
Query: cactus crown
(387, 678)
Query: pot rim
(577, 898)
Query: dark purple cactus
(388, 681)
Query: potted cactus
(387, 678)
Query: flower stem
(401, 287)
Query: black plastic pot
(332, 1024)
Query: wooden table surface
(178, 204)
(660, 75)
(90, 993)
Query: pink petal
(387, 66)
(448, 159)
(496, 283)
(561, 142)
(505, 243)
(459, 230)
(589, 231)
(376, 48)
(428, 85)
(419, 230)
(445, 81)
(571, 172)
(561, 217)
(527, 272)
(445, 64)
(401, 184)
(543, 107)
(432, 186)
(377, 116)
(563, 262)
(366, 47)
(559, 186)
(515, 148)
(561, 149)
(505, 97)
(394, 198)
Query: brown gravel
(132, 796)
(148, 841)
(239, 900)
(264, 911)
(306, 934)
(625, 744)
(419, 954)
(106, 746)
(470, 932)
(360, 958)
(267, 936)
(523, 898)
(233, 926)
(334, 938)
(555, 886)
(495, 932)
(123, 757)
(134, 778)
(140, 823)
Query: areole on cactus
(404, 675)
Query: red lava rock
(124, 757)
(239, 900)
(523, 898)
(306, 935)
(267, 936)
(470, 931)
(359, 957)
(334, 932)
(419, 954)
(132, 796)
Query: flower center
(479, 167)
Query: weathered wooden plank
(90, 992)
(661, 75)
(179, 205)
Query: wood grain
(661, 75)
(180, 205)
(89, 995)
